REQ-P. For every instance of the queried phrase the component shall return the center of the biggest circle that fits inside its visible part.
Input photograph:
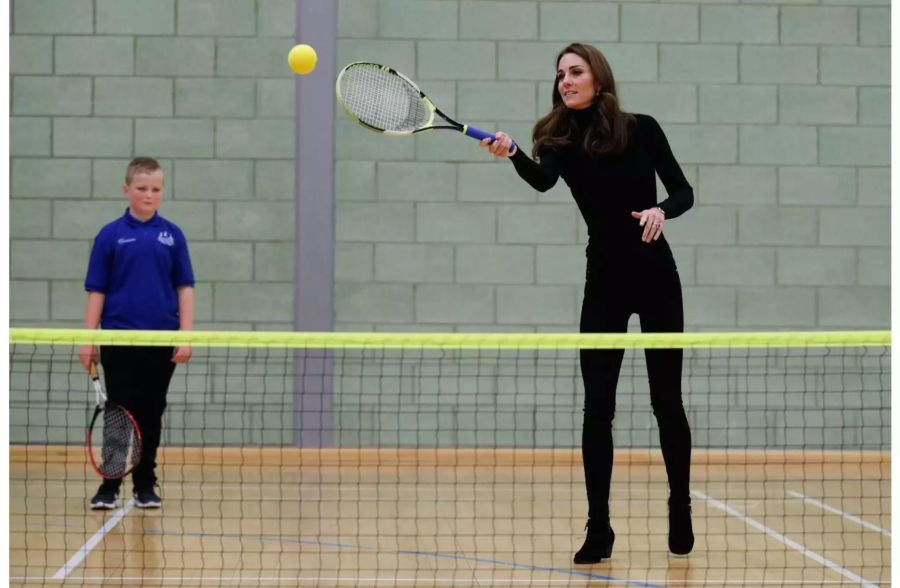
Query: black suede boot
(681, 531)
(598, 544)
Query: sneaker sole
(148, 504)
(103, 506)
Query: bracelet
(663, 212)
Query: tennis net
(450, 459)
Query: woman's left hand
(652, 220)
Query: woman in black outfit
(610, 159)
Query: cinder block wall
(779, 113)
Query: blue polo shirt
(139, 266)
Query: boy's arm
(93, 310)
(182, 353)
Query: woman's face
(575, 82)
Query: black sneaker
(147, 498)
(105, 499)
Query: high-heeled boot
(598, 544)
(681, 531)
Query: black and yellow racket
(113, 439)
(384, 100)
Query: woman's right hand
(88, 354)
(501, 144)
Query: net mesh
(382, 99)
(434, 460)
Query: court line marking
(837, 511)
(835, 567)
(63, 572)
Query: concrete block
(52, 16)
(875, 186)
(355, 180)
(253, 57)
(704, 225)
(276, 98)
(108, 176)
(382, 222)
(213, 97)
(377, 303)
(213, 180)
(816, 185)
(560, 264)
(276, 18)
(175, 137)
(738, 104)
(778, 144)
(818, 25)
(29, 219)
(776, 307)
(216, 18)
(736, 185)
(67, 300)
(29, 300)
(455, 223)
(196, 219)
(875, 106)
(414, 181)
(255, 221)
(417, 263)
(854, 226)
(856, 66)
(495, 264)
(462, 60)
(49, 260)
(816, 266)
(761, 64)
(739, 24)
(29, 136)
(698, 63)
(256, 301)
(274, 262)
(703, 143)
(30, 54)
(660, 23)
(67, 95)
(222, 261)
(357, 19)
(491, 100)
(866, 307)
(73, 219)
(94, 55)
(127, 96)
(874, 266)
(452, 304)
(400, 54)
(668, 103)
(549, 305)
(563, 21)
(275, 180)
(855, 146)
(736, 266)
(354, 262)
(50, 178)
(776, 225)
(352, 142)
(817, 105)
(175, 56)
(491, 182)
(134, 17)
(498, 20)
(92, 137)
(874, 26)
(419, 19)
(254, 139)
(537, 223)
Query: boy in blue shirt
(139, 277)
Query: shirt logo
(123, 240)
(166, 239)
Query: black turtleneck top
(608, 188)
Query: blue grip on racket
(477, 133)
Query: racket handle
(477, 133)
(94, 374)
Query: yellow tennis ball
(302, 59)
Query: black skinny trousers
(610, 299)
(138, 379)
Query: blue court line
(417, 553)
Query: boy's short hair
(141, 165)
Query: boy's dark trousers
(611, 296)
(138, 379)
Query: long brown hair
(609, 132)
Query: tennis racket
(114, 439)
(384, 100)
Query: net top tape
(357, 340)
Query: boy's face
(144, 194)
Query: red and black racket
(114, 439)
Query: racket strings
(118, 444)
(382, 99)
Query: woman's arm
(681, 195)
(542, 176)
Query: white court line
(82, 553)
(789, 542)
(837, 511)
